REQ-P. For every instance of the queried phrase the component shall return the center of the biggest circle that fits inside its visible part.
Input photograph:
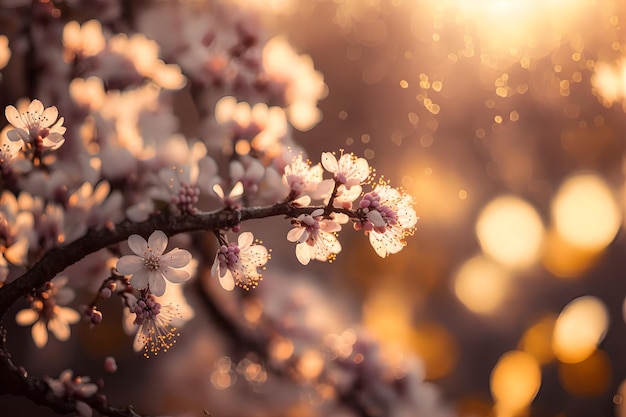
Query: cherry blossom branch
(16, 381)
(59, 258)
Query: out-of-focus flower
(144, 54)
(84, 41)
(390, 218)
(302, 178)
(47, 314)
(36, 126)
(238, 263)
(91, 206)
(348, 169)
(263, 126)
(5, 51)
(150, 267)
(77, 387)
(9, 153)
(15, 227)
(315, 237)
(303, 85)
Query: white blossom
(389, 219)
(238, 263)
(315, 237)
(150, 267)
(36, 126)
(348, 169)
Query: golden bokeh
(515, 381)
(510, 231)
(579, 328)
(481, 284)
(585, 211)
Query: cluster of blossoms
(121, 169)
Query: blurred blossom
(83, 40)
(5, 51)
(48, 312)
(304, 85)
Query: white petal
(157, 283)
(329, 162)
(13, 116)
(217, 189)
(295, 234)
(129, 264)
(26, 317)
(245, 240)
(157, 242)
(175, 275)
(176, 258)
(51, 114)
(237, 190)
(35, 106)
(137, 244)
(227, 282)
(39, 334)
(303, 253)
(139, 279)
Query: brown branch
(59, 258)
(14, 379)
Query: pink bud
(96, 317)
(110, 365)
(105, 293)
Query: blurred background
(505, 120)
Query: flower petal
(139, 279)
(176, 258)
(49, 116)
(13, 116)
(157, 242)
(35, 106)
(26, 317)
(129, 264)
(39, 334)
(295, 234)
(59, 328)
(303, 253)
(245, 240)
(156, 283)
(137, 244)
(175, 275)
(227, 282)
(329, 162)
(68, 315)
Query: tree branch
(59, 258)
